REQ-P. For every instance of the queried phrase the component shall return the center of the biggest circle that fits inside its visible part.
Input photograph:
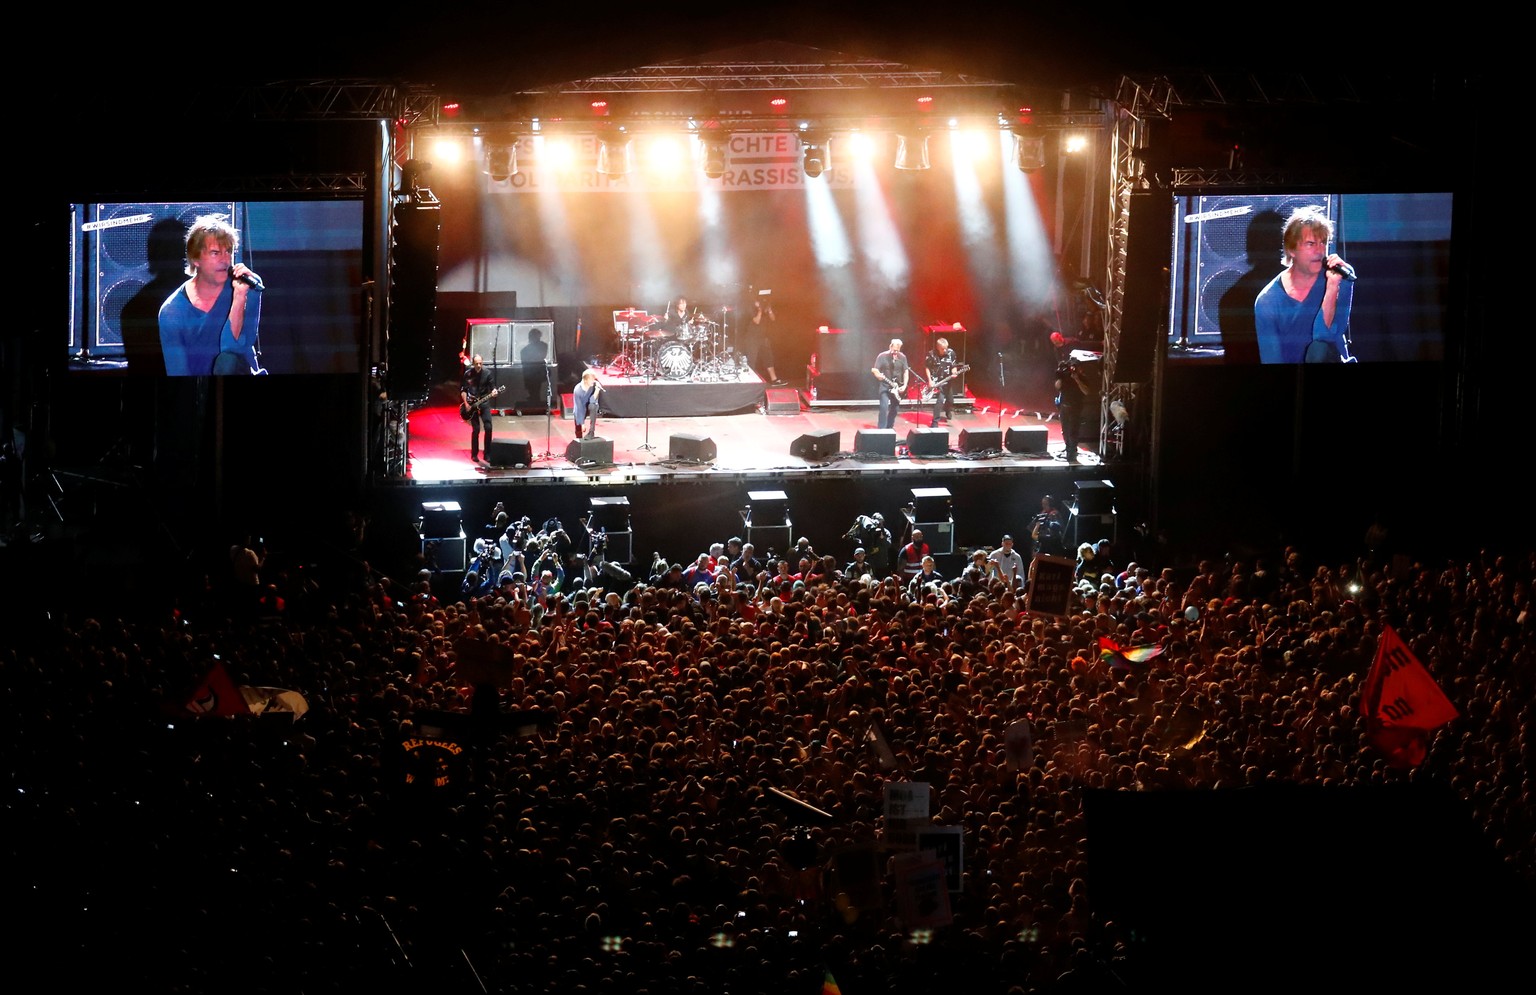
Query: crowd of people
(667, 781)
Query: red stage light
(925, 103)
(779, 102)
(452, 109)
(600, 107)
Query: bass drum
(674, 361)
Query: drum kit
(697, 349)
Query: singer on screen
(210, 324)
(1302, 315)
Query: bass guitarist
(893, 373)
(475, 388)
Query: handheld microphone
(1345, 270)
(251, 279)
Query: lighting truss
(343, 100)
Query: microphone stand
(1002, 381)
(650, 385)
(549, 413)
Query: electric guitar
(468, 409)
(931, 391)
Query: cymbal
(629, 315)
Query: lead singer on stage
(892, 372)
(586, 402)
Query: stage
(752, 442)
(684, 481)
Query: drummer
(676, 320)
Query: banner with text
(756, 161)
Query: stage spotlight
(501, 162)
(861, 146)
(615, 156)
(448, 151)
(818, 155)
(1119, 413)
(664, 155)
(1028, 151)
(558, 154)
(912, 152)
(713, 147)
(1075, 142)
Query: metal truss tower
(1136, 105)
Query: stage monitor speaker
(591, 451)
(1034, 439)
(817, 445)
(512, 452)
(928, 442)
(981, 440)
(697, 448)
(782, 401)
(1094, 497)
(875, 441)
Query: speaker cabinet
(782, 401)
(512, 452)
(1027, 440)
(1094, 497)
(441, 519)
(875, 441)
(445, 555)
(980, 440)
(928, 442)
(591, 451)
(698, 448)
(138, 250)
(817, 445)
(413, 249)
(768, 507)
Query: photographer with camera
(1072, 393)
(514, 545)
(869, 531)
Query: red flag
(1402, 703)
(216, 695)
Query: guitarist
(893, 372)
(475, 386)
(941, 374)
